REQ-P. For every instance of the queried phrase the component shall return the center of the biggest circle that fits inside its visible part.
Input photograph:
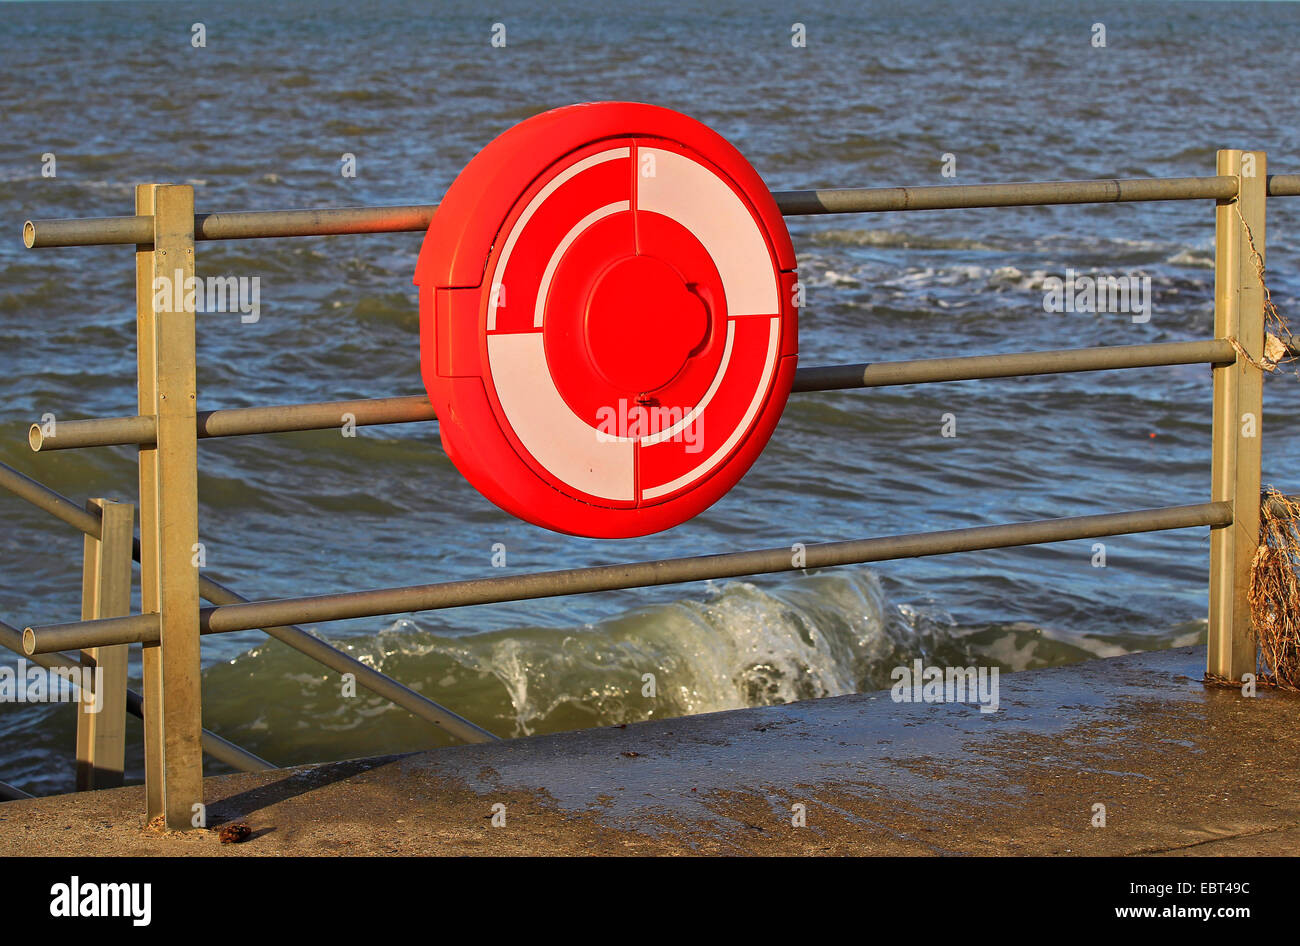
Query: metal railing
(168, 426)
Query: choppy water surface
(259, 119)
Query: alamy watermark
(921, 684)
(32, 683)
(636, 421)
(131, 901)
(182, 293)
(1075, 293)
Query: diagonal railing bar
(221, 749)
(61, 507)
(10, 793)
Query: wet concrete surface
(1181, 768)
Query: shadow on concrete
(295, 782)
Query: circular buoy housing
(607, 322)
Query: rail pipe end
(29, 641)
(29, 234)
(35, 438)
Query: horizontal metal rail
(258, 224)
(415, 703)
(221, 749)
(1035, 193)
(138, 230)
(235, 422)
(1284, 185)
(1044, 193)
(1218, 351)
(73, 434)
(143, 628)
(96, 432)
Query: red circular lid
(607, 321)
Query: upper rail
(138, 229)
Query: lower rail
(143, 628)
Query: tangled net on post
(1281, 347)
(1274, 594)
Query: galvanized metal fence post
(169, 505)
(151, 655)
(1238, 411)
(105, 593)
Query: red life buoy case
(608, 330)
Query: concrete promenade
(1180, 768)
